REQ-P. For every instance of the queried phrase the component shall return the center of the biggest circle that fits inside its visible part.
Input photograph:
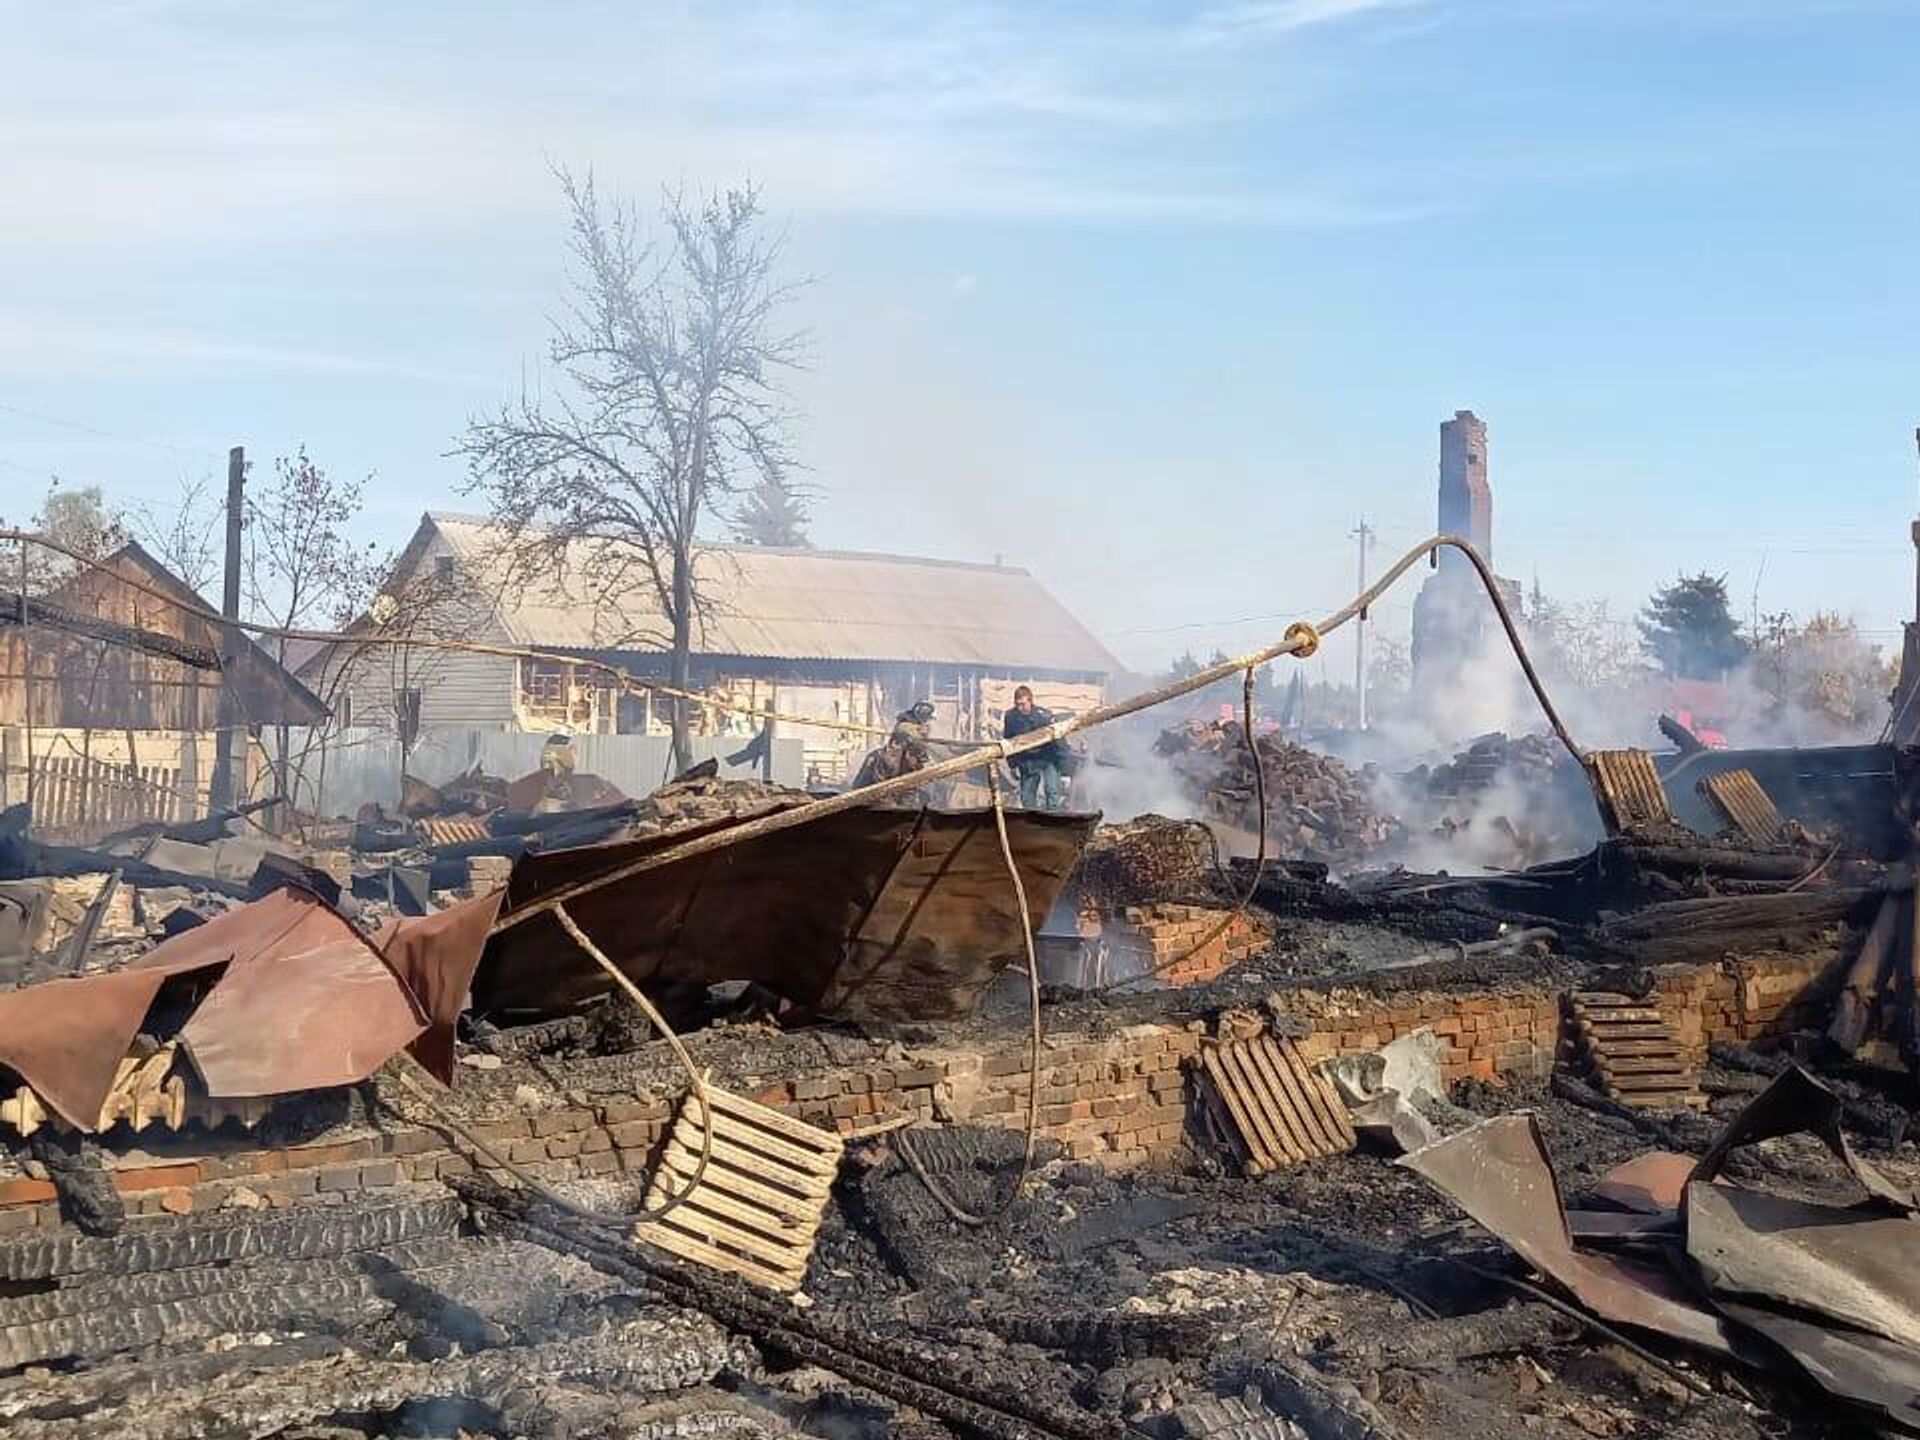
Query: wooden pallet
(1628, 790)
(1632, 1054)
(1737, 797)
(757, 1209)
(1273, 1107)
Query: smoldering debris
(1317, 808)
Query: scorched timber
(230, 1236)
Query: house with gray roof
(846, 637)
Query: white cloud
(318, 130)
(1251, 17)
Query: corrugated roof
(768, 603)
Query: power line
(96, 431)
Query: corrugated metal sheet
(798, 604)
(1737, 795)
(1277, 1109)
(1628, 789)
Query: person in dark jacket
(1041, 771)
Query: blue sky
(1155, 300)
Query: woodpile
(1148, 858)
(1486, 761)
(1317, 808)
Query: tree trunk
(680, 671)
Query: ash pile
(1317, 808)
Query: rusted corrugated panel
(284, 995)
(1737, 798)
(757, 1207)
(454, 829)
(1628, 790)
(877, 913)
(1498, 1172)
(1277, 1110)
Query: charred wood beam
(40, 613)
(914, 1376)
(23, 858)
(171, 1244)
(37, 1396)
(116, 1314)
(651, 1354)
(193, 832)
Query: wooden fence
(77, 799)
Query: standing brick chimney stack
(1466, 497)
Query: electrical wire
(697, 1083)
(1036, 1037)
(1259, 859)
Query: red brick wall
(1147, 937)
(1119, 1097)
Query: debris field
(535, 1110)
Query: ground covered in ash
(1155, 1296)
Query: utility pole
(1364, 533)
(230, 747)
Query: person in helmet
(906, 749)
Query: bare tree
(185, 536)
(301, 569)
(671, 347)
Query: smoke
(1124, 779)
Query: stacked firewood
(1148, 858)
(1488, 759)
(1317, 808)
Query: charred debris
(363, 1133)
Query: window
(443, 567)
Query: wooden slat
(756, 1208)
(1631, 1053)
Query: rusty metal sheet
(1796, 1104)
(1628, 790)
(877, 913)
(436, 956)
(1865, 1369)
(326, 1013)
(284, 995)
(1736, 796)
(1647, 1184)
(454, 829)
(1498, 1172)
(1854, 1267)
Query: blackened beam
(76, 622)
